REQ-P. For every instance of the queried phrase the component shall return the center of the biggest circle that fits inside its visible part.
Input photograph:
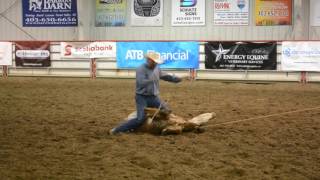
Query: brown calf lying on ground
(161, 122)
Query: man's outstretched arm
(171, 78)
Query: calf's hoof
(199, 130)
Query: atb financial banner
(176, 55)
(32, 54)
(146, 12)
(231, 12)
(241, 55)
(275, 12)
(37, 13)
(188, 12)
(5, 53)
(300, 56)
(111, 12)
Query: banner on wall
(111, 13)
(300, 56)
(231, 12)
(275, 12)
(32, 54)
(184, 55)
(188, 12)
(241, 55)
(37, 13)
(146, 12)
(5, 53)
(87, 50)
(314, 13)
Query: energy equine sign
(241, 55)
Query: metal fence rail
(107, 68)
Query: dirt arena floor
(57, 128)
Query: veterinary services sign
(47, 13)
(300, 56)
(176, 55)
(241, 55)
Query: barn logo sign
(49, 13)
(36, 5)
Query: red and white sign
(5, 53)
(88, 50)
(231, 12)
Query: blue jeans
(142, 102)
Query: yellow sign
(273, 12)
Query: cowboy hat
(155, 57)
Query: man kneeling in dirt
(147, 91)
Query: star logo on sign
(219, 52)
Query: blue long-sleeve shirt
(147, 80)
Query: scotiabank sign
(88, 50)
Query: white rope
(262, 117)
(158, 110)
